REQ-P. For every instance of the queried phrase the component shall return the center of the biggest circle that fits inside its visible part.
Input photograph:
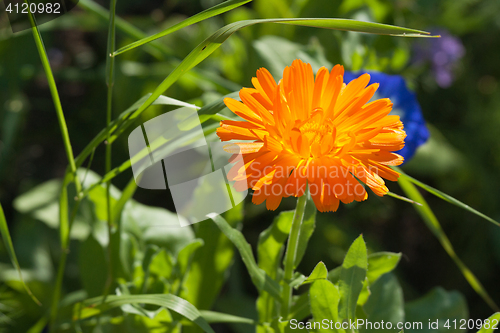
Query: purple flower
(405, 106)
(443, 53)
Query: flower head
(316, 132)
(406, 106)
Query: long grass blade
(433, 224)
(446, 197)
(7, 240)
(326, 23)
(54, 92)
(96, 306)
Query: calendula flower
(316, 132)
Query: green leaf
(324, 298)
(271, 241)
(319, 273)
(495, 318)
(259, 277)
(185, 255)
(208, 13)
(380, 263)
(352, 276)
(445, 196)
(95, 306)
(306, 230)
(156, 226)
(269, 253)
(437, 305)
(4, 230)
(433, 224)
(93, 266)
(385, 303)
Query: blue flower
(405, 106)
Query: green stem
(60, 271)
(110, 77)
(291, 253)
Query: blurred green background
(462, 158)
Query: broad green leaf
(259, 277)
(41, 202)
(319, 273)
(306, 230)
(93, 266)
(217, 317)
(95, 306)
(269, 253)
(271, 241)
(161, 264)
(380, 263)
(492, 325)
(324, 298)
(4, 230)
(352, 275)
(154, 225)
(445, 196)
(385, 303)
(185, 255)
(208, 13)
(433, 224)
(439, 305)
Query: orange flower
(312, 131)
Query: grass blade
(97, 305)
(260, 279)
(217, 317)
(54, 92)
(445, 197)
(326, 23)
(4, 230)
(433, 224)
(206, 14)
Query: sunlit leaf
(352, 275)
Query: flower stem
(291, 254)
